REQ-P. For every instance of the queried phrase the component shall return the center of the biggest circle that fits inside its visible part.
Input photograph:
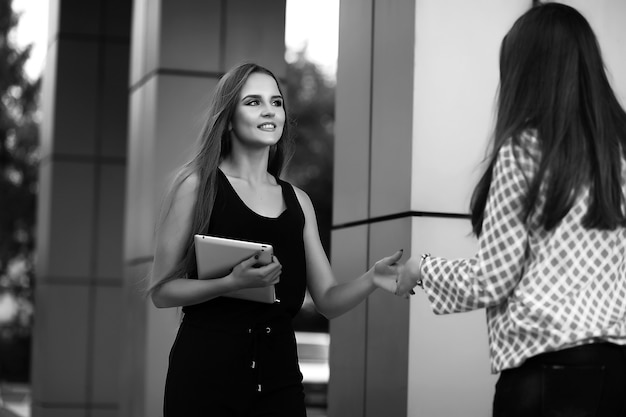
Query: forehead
(259, 83)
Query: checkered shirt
(542, 291)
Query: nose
(268, 112)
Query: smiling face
(259, 117)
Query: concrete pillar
(179, 51)
(371, 202)
(415, 87)
(456, 73)
(79, 273)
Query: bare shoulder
(303, 198)
(188, 185)
(185, 194)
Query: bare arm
(331, 298)
(170, 244)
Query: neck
(252, 170)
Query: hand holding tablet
(216, 257)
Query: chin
(269, 141)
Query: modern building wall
(371, 202)
(79, 272)
(415, 89)
(179, 51)
(456, 79)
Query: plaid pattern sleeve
(542, 290)
(488, 278)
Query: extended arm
(488, 278)
(331, 298)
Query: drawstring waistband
(258, 336)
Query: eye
(252, 103)
(277, 103)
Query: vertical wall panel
(253, 32)
(76, 104)
(456, 78)
(352, 113)
(109, 253)
(146, 38)
(348, 345)
(57, 377)
(372, 177)
(449, 355)
(81, 192)
(108, 332)
(70, 230)
(140, 215)
(392, 99)
(387, 329)
(114, 132)
(191, 41)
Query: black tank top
(232, 218)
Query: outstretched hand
(407, 277)
(386, 272)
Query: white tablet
(216, 257)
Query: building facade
(125, 87)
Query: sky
(32, 29)
(311, 23)
(316, 25)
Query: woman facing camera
(234, 357)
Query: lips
(267, 126)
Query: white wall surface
(456, 78)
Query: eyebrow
(259, 97)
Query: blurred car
(313, 356)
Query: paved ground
(312, 412)
(5, 412)
(15, 402)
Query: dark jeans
(584, 381)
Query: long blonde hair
(213, 146)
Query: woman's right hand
(248, 274)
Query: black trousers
(234, 371)
(583, 381)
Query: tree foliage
(311, 101)
(19, 142)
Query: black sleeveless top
(233, 219)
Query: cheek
(240, 122)
(280, 115)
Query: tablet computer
(216, 257)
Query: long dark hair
(553, 80)
(212, 147)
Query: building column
(371, 202)
(415, 88)
(457, 73)
(180, 49)
(79, 272)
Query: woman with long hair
(235, 357)
(549, 214)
